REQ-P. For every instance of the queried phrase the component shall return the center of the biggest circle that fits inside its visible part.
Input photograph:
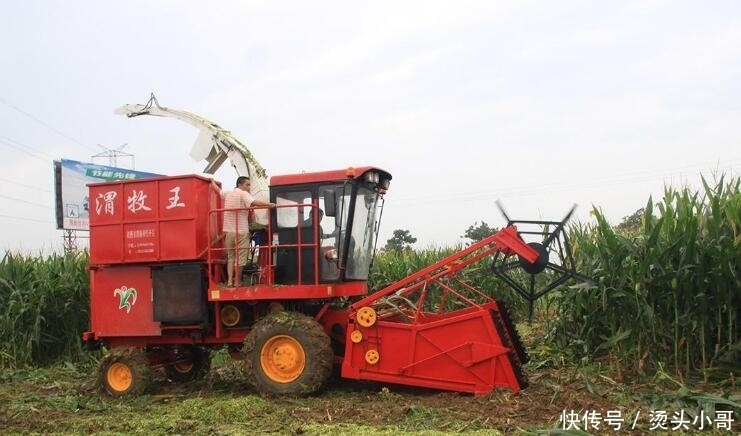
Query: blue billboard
(71, 192)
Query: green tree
(632, 223)
(402, 240)
(477, 232)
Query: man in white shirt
(237, 227)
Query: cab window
(300, 215)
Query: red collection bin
(158, 219)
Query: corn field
(668, 292)
(43, 308)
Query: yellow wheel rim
(119, 377)
(282, 359)
(366, 316)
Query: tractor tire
(287, 353)
(125, 372)
(194, 363)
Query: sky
(538, 105)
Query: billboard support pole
(70, 241)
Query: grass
(69, 404)
(63, 400)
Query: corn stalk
(43, 308)
(669, 291)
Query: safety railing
(263, 247)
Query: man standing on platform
(237, 227)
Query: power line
(26, 146)
(25, 219)
(46, 206)
(24, 185)
(5, 140)
(47, 125)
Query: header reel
(555, 259)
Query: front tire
(288, 353)
(125, 372)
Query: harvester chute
(213, 144)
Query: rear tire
(125, 372)
(288, 353)
(193, 363)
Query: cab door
(295, 253)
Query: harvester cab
(324, 228)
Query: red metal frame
(290, 292)
(505, 241)
(266, 287)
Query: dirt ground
(62, 401)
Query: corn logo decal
(126, 297)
